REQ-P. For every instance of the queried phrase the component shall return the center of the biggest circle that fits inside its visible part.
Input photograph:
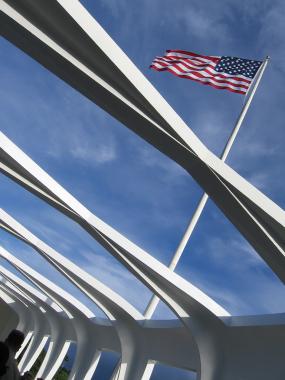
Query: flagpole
(193, 222)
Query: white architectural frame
(63, 36)
(110, 306)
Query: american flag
(225, 73)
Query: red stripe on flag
(211, 58)
(201, 68)
(202, 82)
(216, 77)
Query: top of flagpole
(256, 78)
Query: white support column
(54, 357)
(33, 351)
(87, 361)
(27, 339)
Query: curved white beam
(184, 298)
(125, 316)
(124, 248)
(171, 336)
(263, 335)
(260, 335)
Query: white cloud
(83, 134)
(114, 275)
(61, 120)
(237, 277)
(234, 252)
(100, 155)
(198, 22)
(261, 180)
(272, 32)
(152, 158)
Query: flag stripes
(229, 73)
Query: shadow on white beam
(9, 315)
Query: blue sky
(129, 184)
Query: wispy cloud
(63, 123)
(116, 277)
(199, 22)
(154, 160)
(236, 276)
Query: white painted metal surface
(207, 339)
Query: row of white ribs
(64, 37)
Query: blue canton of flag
(238, 66)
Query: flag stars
(238, 66)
